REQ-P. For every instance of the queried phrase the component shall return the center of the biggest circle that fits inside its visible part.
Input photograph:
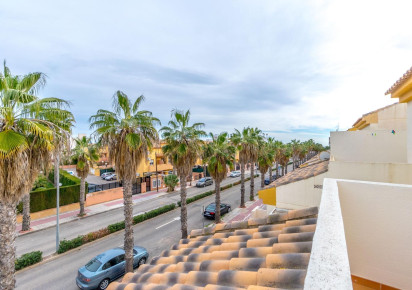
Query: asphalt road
(45, 240)
(155, 235)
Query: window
(93, 265)
(120, 258)
(109, 264)
(156, 183)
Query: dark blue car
(267, 181)
(107, 267)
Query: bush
(153, 213)
(237, 182)
(226, 186)
(42, 183)
(116, 227)
(27, 260)
(66, 245)
(65, 178)
(171, 181)
(95, 235)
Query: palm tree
(52, 110)
(26, 144)
(220, 156)
(129, 134)
(257, 137)
(183, 147)
(85, 155)
(265, 160)
(246, 144)
(295, 147)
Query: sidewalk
(91, 210)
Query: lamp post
(157, 178)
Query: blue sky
(295, 69)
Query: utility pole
(157, 176)
(57, 184)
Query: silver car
(107, 267)
(234, 174)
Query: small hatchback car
(107, 267)
(205, 181)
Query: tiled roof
(399, 82)
(258, 254)
(312, 167)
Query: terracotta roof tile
(239, 255)
(399, 82)
(311, 168)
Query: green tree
(53, 110)
(129, 135)
(220, 157)
(171, 181)
(265, 160)
(246, 143)
(183, 148)
(26, 144)
(257, 137)
(85, 154)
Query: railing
(136, 187)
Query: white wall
(393, 118)
(378, 172)
(300, 194)
(377, 219)
(362, 146)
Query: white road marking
(173, 220)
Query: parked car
(112, 176)
(267, 181)
(104, 175)
(211, 209)
(107, 267)
(234, 174)
(70, 172)
(205, 181)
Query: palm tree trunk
(286, 168)
(204, 170)
(183, 207)
(26, 213)
(270, 173)
(277, 169)
(82, 192)
(252, 182)
(8, 244)
(128, 218)
(242, 184)
(262, 180)
(217, 202)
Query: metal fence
(136, 187)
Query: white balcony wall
(301, 194)
(378, 172)
(377, 220)
(365, 146)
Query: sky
(294, 69)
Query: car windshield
(93, 265)
(202, 179)
(211, 207)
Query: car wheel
(104, 284)
(141, 262)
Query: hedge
(66, 245)
(28, 260)
(65, 178)
(42, 199)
